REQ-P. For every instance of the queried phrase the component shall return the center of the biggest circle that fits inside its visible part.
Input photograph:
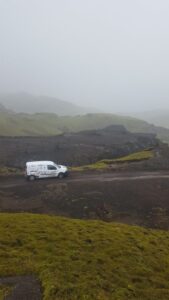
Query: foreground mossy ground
(104, 163)
(85, 259)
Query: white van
(44, 169)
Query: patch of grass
(86, 260)
(6, 171)
(4, 291)
(95, 166)
(137, 156)
(103, 164)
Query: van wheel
(32, 178)
(60, 175)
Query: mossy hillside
(136, 156)
(89, 260)
(105, 163)
(51, 124)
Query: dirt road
(22, 288)
(130, 197)
(7, 182)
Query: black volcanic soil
(140, 198)
(74, 148)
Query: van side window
(50, 167)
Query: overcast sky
(109, 54)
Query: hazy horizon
(112, 55)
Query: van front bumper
(66, 174)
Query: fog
(112, 55)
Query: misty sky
(109, 54)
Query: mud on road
(22, 288)
(140, 198)
(14, 181)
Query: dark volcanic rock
(74, 148)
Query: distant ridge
(24, 114)
(157, 117)
(30, 104)
(4, 109)
(47, 124)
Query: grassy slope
(51, 124)
(86, 260)
(104, 163)
(20, 125)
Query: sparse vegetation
(4, 291)
(137, 156)
(6, 171)
(85, 259)
(105, 163)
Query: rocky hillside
(74, 148)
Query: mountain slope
(158, 118)
(51, 124)
(27, 103)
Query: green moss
(86, 259)
(136, 156)
(103, 164)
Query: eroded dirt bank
(130, 197)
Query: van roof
(43, 162)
